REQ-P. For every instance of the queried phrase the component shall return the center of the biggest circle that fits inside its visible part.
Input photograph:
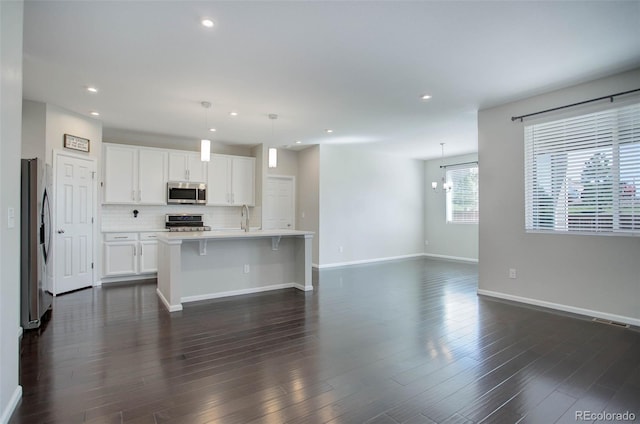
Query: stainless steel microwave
(186, 193)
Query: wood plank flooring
(398, 342)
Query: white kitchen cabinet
(120, 174)
(120, 254)
(231, 181)
(148, 258)
(243, 176)
(130, 254)
(152, 176)
(187, 166)
(134, 175)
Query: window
(582, 174)
(462, 197)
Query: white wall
(452, 241)
(371, 204)
(138, 138)
(308, 196)
(11, 19)
(287, 163)
(592, 275)
(34, 117)
(61, 121)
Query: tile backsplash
(115, 217)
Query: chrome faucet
(244, 218)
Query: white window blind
(582, 174)
(462, 197)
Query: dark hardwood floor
(400, 342)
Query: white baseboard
(302, 287)
(97, 283)
(11, 406)
(170, 307)
(368, 261)
(124, 278)
(451, 258)
(561, 307)
(230, 293)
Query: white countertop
(230, 234)
(134, 230)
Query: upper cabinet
(139, 175)
(231, 180)
(134, 175)
(187, 166)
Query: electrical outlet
(512, 273)
(246, 268)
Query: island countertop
(227, 234)
(201, 265)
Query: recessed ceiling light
(425, 97)
(94, 113)
(92, 89)
(298, 142)
(233, 113)
(328, 131)
(212, 129)
(206, 22)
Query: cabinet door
(120, 258)
(178, 166)
(120, 174)
(243, 181)
(219, 185)
(197, 169)
(152, 177)
(148, 256)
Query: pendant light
(273, 152)
(434, 184)
(205, 144)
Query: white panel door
(152, 177)
(74, 218)
(279, 203)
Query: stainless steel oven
(186, 193)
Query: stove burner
(185, 222)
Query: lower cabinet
(130, 254)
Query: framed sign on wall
(76, 143)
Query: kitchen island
(202, 265)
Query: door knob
(60, 231)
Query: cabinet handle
(140, 250)
(188, 172)
(139, 195)
(121, 237)
(133, 195)
(135, 250)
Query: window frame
(474, 197)
(606, 213)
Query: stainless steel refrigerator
(35, 243)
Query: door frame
(94, 208)
(292, 178)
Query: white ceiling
(356, 67)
